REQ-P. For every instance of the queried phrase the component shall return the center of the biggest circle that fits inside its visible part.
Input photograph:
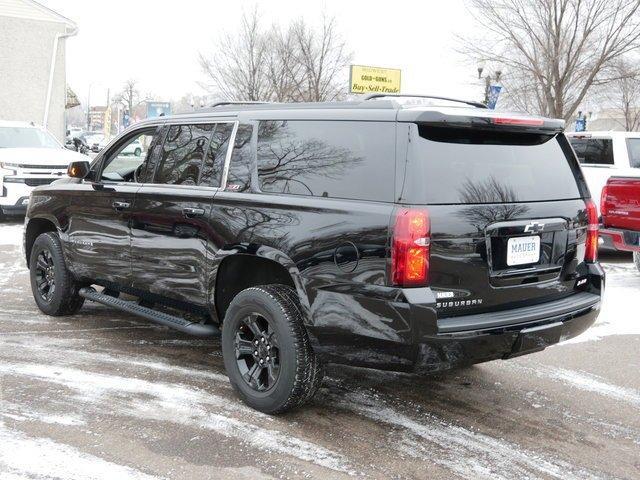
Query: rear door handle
(120, 205)
(193, 212)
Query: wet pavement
(105, 395)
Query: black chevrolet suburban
(413, 237)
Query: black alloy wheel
(52, 284)
(45, 275)
(267, 351)
(257, 352)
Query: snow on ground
(24, 457)
(618, 315)
(469, 454)
(94, 382)
(173, 403)
(11, 234)
(582, 381)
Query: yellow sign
(363, 79)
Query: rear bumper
(623, 240)
(554, 323)
(403, 330)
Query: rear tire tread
(308, 370)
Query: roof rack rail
(221, 104)
(371, 96)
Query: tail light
(410, 248)
(591, 245)
(603, 201)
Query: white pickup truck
(29, 156)
(603, 155)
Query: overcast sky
(157, 42)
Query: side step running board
(192, 328)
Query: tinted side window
(239, 176)
(633, 146)
(341, 159)
(593, 150)
(182, 154)
(153, 155)
(216, 153)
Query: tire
(276, 310)
(61, 298)
(636, 259)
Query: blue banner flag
(494, 93)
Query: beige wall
(25, 59)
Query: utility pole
(89, 109)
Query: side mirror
(79, 169)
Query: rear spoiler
(482, 119)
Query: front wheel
(52, 285)
(636, 259)
(266, 350)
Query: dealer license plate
(523, 250)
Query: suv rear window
(593, 150)
(464, 166)
(339, 159)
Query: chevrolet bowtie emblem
(534, 227)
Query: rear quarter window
(339, 159)
(593, 151)
(465, 166)
(633, 146)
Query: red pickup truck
(620, 214)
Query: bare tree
(554, 51)
(283, 70)
(237, 70)
(130, 95)
(323, 58)
(297, 63)
(624, 94)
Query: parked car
(620, 214)
(363, 233)
(133, 148)
(94, 140)
(605, 154)
(72, 134)
(29, 156)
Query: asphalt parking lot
(103, 395)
